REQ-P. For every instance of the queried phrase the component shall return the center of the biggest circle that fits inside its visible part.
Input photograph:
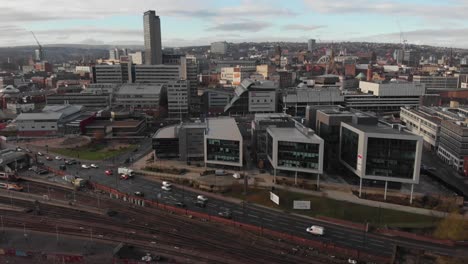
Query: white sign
(302, 205)
(274, 198)
(359, 162)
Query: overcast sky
(199, 22)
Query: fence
(49, 257)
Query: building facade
(178, 98)
(152, 34)
(159, 74)
(436, 84)
(223, 143)
(139, 96)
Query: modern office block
(152, 31)
(223, 142)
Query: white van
(316, 230)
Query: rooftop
(39, 116)
(223, 128)
(382, 129)
(140, 88)
(294, 134)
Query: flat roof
(140, 88)
(39, 116)
(223, 128)
(293, 134)
(335, 112)
(421, 113)
(381, 129)
(166, 132)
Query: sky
(200, 22)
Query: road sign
(274, 198)
(301, 205)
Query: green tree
(453, 227)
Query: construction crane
(40, 55)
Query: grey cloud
(301, 27)
(248, 26)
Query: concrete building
(296, 149)
(311, 45)
(88, 100)
(423, 121)
(235, 75)
(118, 73)
(152, 31)
(178, 99)
(137, 57)
(159, 74)
(223, 143)
(436, 84)
(380, 153)
(283, 78)
(295, 100)
(220, 47)
(259, 132)
(184, 141)
(214, 100)
(139, 96)
(253, 97)
(453, 147)
(394, 88)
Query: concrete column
(385, 193)
(295, 179)
(318, 181)
(411, 195)
(360, 186)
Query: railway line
(174, 234)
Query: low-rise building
(253, 97)
(139, 96)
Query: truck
(126, 171)
(316, 230)
(77, 182)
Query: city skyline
(422, 22)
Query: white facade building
(178, 97)
(159, 74)
(223, 142)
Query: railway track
(178, 232)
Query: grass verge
(322, 206)
(94, 152)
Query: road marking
(239, 212)
(254, 216)
(268, 219)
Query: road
(251, 214)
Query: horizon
(236, 21)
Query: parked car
(139, 194)
(84, 166)
(124, 177)
(202, 198)
(58, 158)
(316, 230)
(166, 183)
(94, 166)
(200, 204)
(236, 175)
(11, 187)
(40, 153)
(71, 162)
(109, 172)
(48, 158)
(181, 204)
(63, 167)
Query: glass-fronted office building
(222, 150)
(223, 142)
(382, 153)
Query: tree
(453, 227)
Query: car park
(84, 166)
(94, 166)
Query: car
(11, 187)
(202, 198)
(58, 158)
(94, 166)
(225, 214)
(166, 188)
(181, 204)
(41, 172)
(166, 183)
(84, 166)
(109, 172)
(352, 261)
(40, 153)
(316, 230)
(139, 194)
(63, 167)
(71, 162)
(28, 150)
(236, 175)
(124, 177)
(48, 158)
(19, 149)
(200, 204)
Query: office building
(380, 152)
(152, 31)
(296, 149)
(453, 146)
(184, 141)
(283, 78)
(88, 100)
(266, 70)
(214, 100)
(118, 73)
(411, 58)
(295, 100)
(435, 84)
(423, 121)
(139, 96)
(235, 75)
(178, 99)
(219, 47)
(253, 97)
(311, 45)
(223, 143)
(159, 74)
(259, 132)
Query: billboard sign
(274, 198)
(301, 205)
